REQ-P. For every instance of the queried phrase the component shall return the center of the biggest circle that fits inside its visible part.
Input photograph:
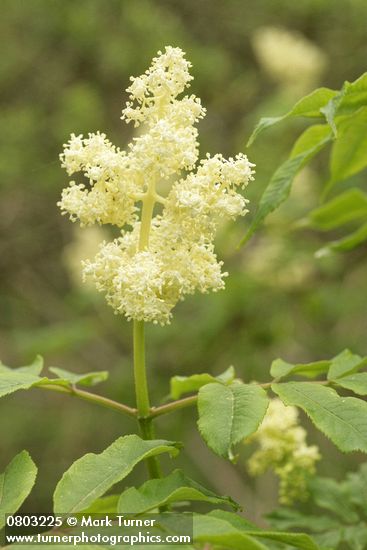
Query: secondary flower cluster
(283, 448)
(158, 259)
(289, 57)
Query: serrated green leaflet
(349, 153)
(159, 492)
(280, 369)
(346, 243)
(93, 474)
(345, 363)
(309, 106)
(296, 540)
(330, 110)
(33, 368)
(187, 384)
(103, 505)
(278, 189)
(342, 419)
(87, 379)
(243, 407)
(239, 522)
(357, 383)
(13, 380)
(354, 95)
(346, 207)
(342, 364)
(15, 484)
(21, 378)
(221, 532)
(311, 141)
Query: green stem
(142, 395)
(140, 375)
(141, 383)
(173, 406)
(91, 398)
(147, 432)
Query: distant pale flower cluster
(288, 57)
(283, 448)
(158, 259)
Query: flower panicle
(146, 284)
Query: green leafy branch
(341, 118)
(243, 407)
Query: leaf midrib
(330, 412)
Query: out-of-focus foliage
(341, 119)
(64, 66)
(341, 507)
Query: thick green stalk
(147, 432)
(141, 383)
(142, 395)
(140, 375)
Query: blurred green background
(64, 67)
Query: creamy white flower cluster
(153, 265)
(283, 448)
